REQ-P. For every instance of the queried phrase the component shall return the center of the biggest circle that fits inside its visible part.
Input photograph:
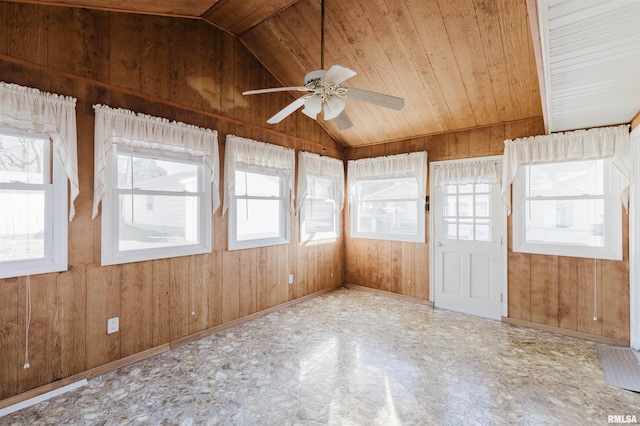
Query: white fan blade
(333, 107)
(337, 74)
(277, 89)
(386, 101)
(343, 121)
(288, 110)
(312, 106)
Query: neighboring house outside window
(155, 186)
(568, 189)
(564, 209)
(387, 197)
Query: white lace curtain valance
(403, 165)
(599, 143)
(28, 109)
(315, 165)
(250, 153)
(120, 126)
(467, 173)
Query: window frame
(317, 236)
(55, 257)
(612, 247)
(284, 217)
(420, 235)
(110, 251)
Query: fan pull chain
(28, 322)
(595, 291)
(193, 287)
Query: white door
(467, 245)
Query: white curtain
(120, 126)
(466, 173)
(251, 153)
(315, 165)
(606, 142)
(403, 165)
(31, 110)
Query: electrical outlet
(113, 325)
(290, 278)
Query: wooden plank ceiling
(458, 64)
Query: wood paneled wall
(179, 69)
(551, 291)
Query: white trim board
(45, 396)
(634, 244)
(431, 242)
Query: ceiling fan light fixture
(326, 93)
(333, 107)
(312, 106)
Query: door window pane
(465, 205)
(483, 230)
(466, 212)
(483, 205)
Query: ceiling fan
(325, 93)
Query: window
(37, 157)
(258, 186)
(387, 197)
(33, 193)
(320, 196)
(565, 209)
(466, 212)
(157, 208)
(319, 213)
(259, 211)
(156, 184)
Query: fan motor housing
(314, 76)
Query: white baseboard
(36, 399)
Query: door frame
(432, 227)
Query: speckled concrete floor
(353, 358)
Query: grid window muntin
(466, 212)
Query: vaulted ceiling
(458, 64)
